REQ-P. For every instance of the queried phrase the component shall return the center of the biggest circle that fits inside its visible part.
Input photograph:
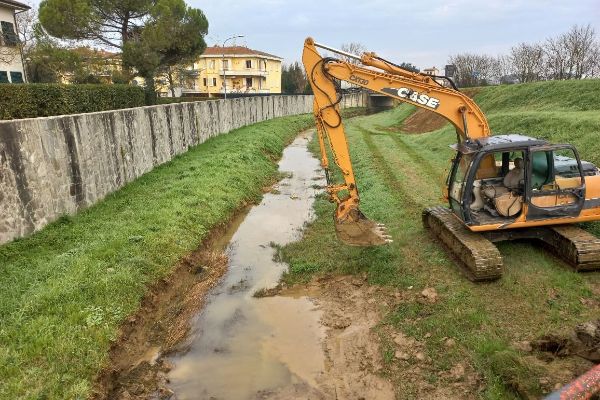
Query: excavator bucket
(358, 230)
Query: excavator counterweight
(500, 187)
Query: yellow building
(245, 71)
(98, 63)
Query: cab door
(456, 183)
(555, 182)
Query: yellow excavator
(500, 187)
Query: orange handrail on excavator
(530, 193)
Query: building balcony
(192, 72)
(233, 73)
(246, 91)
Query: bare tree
(474, 69)
(502, 68)
(580, 42)
(572, 55)
(595, 61)
(353, 48)
(527, 62)
(26, 25)
(556, 58)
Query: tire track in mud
(400, 194)
(425, 166)
(409, 227)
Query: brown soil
(353, 362)
(355, 366)
(135, 367)
(422, 121)
(363, 358)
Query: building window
(16, 77)
(212, 64)
(8, 34)
(249, 82)
(4, 77)
(225, 64)
(248, 63)
(214, 81)
(205, 81)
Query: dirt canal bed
(234, 333)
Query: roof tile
(234, 50)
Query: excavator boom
(384, 77)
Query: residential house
(99, 63)
(237, 69)
(11, 56)
(433, 71)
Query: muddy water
(244, 347)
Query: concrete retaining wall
(54, 166)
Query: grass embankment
(66, 289)
(399, 175)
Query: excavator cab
(508, 178)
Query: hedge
(44, 100)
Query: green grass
(66, 289)
(399, 175)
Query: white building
(11, 57)
(433, 71)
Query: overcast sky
(423, 32)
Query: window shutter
(9, 35)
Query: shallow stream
(243, 347)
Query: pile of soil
(422, 121)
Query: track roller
(478, 256)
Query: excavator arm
(384, 77)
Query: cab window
(555, 170)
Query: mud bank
(136, 365)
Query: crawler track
(577, 247)
(481, 259)
(478, 256)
